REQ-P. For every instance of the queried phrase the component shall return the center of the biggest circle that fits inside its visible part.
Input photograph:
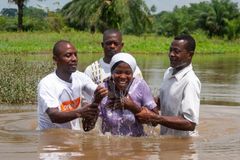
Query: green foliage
(34, 42)
(55, 22)
(153, 9)
(8, 23)
(20, 5)
(9, 12)
(26, 56)
(233, 29)
(34, 12)
(175, 23)
(214, 21)
(35, 20)
(216, 18)
(19, 78)
(33, 24)
(102, 14)
(85, 42)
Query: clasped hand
(90, 111)
(124, 102)
(145, 116)
(99, 94)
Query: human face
(178, 55)
(122, 75)
(66, 59)
(112, 44)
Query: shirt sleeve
(46, 97)
(191, 101)
(147, 97)
(88, 72)
(88, 85)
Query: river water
(219, 128)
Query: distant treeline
(214, 18)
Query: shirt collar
(179, 75)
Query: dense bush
(216, 18)
(34, 20)
(18, 80)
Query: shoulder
(79, 75)
(168, 70)
(192, 77)
(92, 65)
(96, 65)
(137, 73)
(138, 70)
(193, 82)
(139, 83)
(48, 83)
(103, 65)
(87, 69)
(48, 79)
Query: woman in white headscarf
(126, 97)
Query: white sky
(166, 5)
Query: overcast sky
(166, 5)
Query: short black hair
(191, 44)
(112, 31)
(57, 45)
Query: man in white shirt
(60, 93)
(111, 44)
(179, 92)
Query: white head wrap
(125, 57)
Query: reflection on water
(219, 138)
(219, 75)
(220, 79)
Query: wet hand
(88, 111)
(145, 116)
(99, 94)
(114, 104)
(128, 103)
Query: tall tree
(108, 13)
(215, 18)
(20, 4)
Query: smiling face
(178, 55)
(122, 75)
(66, 58)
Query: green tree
(174, 23)
(153, 9)
(9, 12)
(215, 19)
(104, 14)
(20, 4)
(34, 12)
(233, 28)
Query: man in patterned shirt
(112, 44)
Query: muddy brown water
(219, 128)
(219, 138)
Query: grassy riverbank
(38, 42)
